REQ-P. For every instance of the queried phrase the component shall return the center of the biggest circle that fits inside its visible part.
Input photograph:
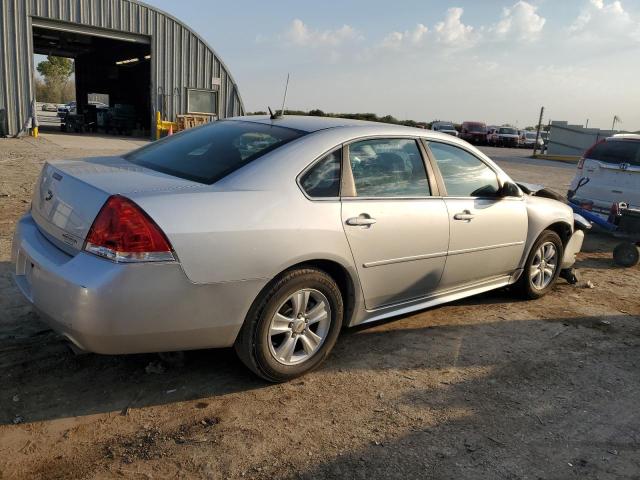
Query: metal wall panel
(180, 58)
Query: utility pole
(535, 146)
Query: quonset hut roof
(180, 58)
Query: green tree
(56, 72)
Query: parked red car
(474, 132)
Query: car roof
(625, 136)
(313, 124)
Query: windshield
(445, 126)
(508, 131)
(530, 135)
(211, 152)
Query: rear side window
(209, 153)
(617, 151)
(388, 168)
(323, 179)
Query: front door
(488, 232)
(397, 232)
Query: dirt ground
(488, 387)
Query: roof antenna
(284, 101)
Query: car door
(397, 231)
(487, 231)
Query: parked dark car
(474, 132)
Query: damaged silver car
(271, 235)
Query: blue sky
(496, 60)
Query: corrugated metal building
(135, 53)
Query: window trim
(440, 178)
(313, 164)
(348, 190)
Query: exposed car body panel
(542, 213)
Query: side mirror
(510, 189)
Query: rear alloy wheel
(543, 266)
(299, 327)
(293, 325)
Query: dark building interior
(118, 68)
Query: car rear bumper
(112, 308)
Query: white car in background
(528, 139)
(609, 172)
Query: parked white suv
(609, 172)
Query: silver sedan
(271, 235)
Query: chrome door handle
(465, 215)
(361, 221)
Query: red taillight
(123, 232)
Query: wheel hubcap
(544, 265)
(299, 327)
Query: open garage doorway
(112, 78)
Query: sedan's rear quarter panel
(256, 222)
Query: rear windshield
(209, 153)
(617, 151)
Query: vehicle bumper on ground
(113, 308)
(573, 247)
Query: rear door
(614, 171)
(398, 232)
(487, 232)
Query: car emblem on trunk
(49, 195)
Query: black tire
(524, 285)
(626, 255)
(252, 343)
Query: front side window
(323, 179)
(209, 153)
(388, 168)
(464, 175)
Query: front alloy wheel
(542, 267)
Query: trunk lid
(69, 194)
